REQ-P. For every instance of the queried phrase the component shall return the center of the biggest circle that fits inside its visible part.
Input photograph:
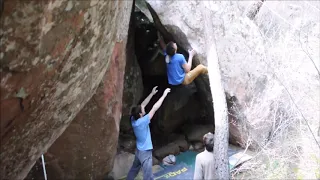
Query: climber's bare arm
(161, 41)
(147, 100)
(158, 104)
(187, 66)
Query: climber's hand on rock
(167, 91)
(161, 41)
(155, 90)
(192, 52)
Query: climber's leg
(191, 75)
(135, 168)
(146, 161)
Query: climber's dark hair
(170, 50)
(135, 112)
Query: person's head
(171, 48)
(136, 112)
(208, 141)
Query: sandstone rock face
(238, 130)
(183, 144)
(195, 133)
(172, 33)
(133, 86)
(198, 146)
(90, 142)
(155, 161)
(268, 59)
(180, 106)
(55, 54)
(174, 136)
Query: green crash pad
(189, 158)
(185, 164)
(178, 171)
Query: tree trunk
(221, 160)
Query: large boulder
(195, 133)
(127, 142)
(179, 107)
(267, 52)
(122, 164)
(55, 55)
(90, 142)
(147, 49)
(133, 86)
(151, 60)
(171, 148)
(238, 130)
(183, 144)
(172, 33)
